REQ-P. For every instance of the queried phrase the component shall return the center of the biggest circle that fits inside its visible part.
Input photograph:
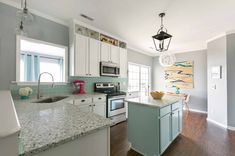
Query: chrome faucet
(39, 82)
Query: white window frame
(150, 74)
(18, 52)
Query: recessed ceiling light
(86, 17)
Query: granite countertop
(47, 125)
(149, 101)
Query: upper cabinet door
(115, 54)
(94, 58)
(81, 55)
(123, 63)
(105, 52)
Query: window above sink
(34, 57)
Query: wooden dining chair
(186, 101)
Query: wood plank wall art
(181, 75)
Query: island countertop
(48, 125)
(149, 101)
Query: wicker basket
(157, 95)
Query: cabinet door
(175, 123)
(123, 63)
(81, 56)
(100, 109)
(165, 132)
(94, 58)
(105, 52)
(115, 54)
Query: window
(139, 78)
(36, 57)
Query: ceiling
(191, 22)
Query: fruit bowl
(157, 95)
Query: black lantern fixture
(162, 40)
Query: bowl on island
(157, 95)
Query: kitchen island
(61, 128)
(153, 124)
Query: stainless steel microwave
(109, 69)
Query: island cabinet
(152, 128)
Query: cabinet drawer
(165, 110)
(99, 99)
(82, 101)
(176, 105)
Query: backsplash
(89, 82)
(68, 89)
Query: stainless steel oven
(116, 105)
(109, 69)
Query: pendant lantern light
(24, 14)
(20, 29)
(162, 42)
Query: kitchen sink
(51, 99)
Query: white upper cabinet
(109, 53)
(115, 54)
(94, 58)
(105, 52)
(87, 56)
(123, 63)
(81, 55)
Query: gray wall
(198, 100)
(41, 29)
(217, 97)
(231, 78)
(136, 57)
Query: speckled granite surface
(46, 125)
(149, 101)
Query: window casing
(139, 78)
(34, 57)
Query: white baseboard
(231, 128)
(197, 111)
(217, 123)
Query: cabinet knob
(83, 100)
(93, 105)
(99, 98)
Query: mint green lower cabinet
(176, 123)
(165, 132)
(152, 129)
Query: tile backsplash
(68, 89)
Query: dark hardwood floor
(199, 138)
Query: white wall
(217, 98)
(230, 79)
(198, 100)
(136, 57)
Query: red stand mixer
(79, 87)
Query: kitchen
(75, 85)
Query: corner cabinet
(86, 56)
(155, 129)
